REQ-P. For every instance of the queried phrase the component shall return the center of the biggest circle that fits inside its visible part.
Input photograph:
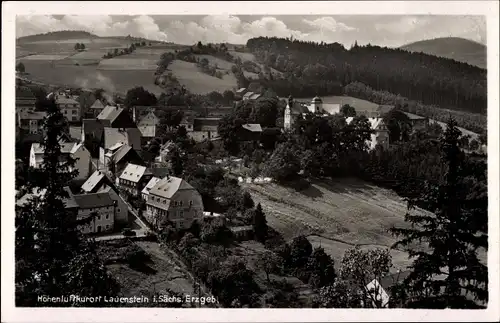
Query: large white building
(173, 200)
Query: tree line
(431, 80)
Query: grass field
(46, 57)
(127, 62)
(221, 64)
(198, 82)
(89, 77)
(336, 215)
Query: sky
(382, 30)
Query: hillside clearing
(128, 63)
(198, 82)
(212, 60)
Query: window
(107, 216)
(73, 118)
(99, 217)
(190, 203)
(73, 112)
(167, 214)
(164, 201)
(180, 203)
(65, 111)
(181, 213)
(91, 209)
(118, 210)
(107, 226)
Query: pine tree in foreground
(52, 257)
(446, 272)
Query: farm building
(416, 121)
(380, 135)
(242, 233)
(249, 132)
(200, 129)
(115, 117)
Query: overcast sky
(387, 30)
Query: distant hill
(57, 35)
(459, 49)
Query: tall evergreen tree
(260, 224)
(52, 258)
(446, 272)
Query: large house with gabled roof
(134, 178)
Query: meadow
(197, 82)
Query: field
(221, 64)
(46, 57)
(251, 57)
(119, 81)
(336, 215)
(128, 63)
(198, 82)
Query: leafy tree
(77, 46)
(284, 164)
(233, 281)
(247, 201)
(359, 268)
(138, 96)
(474, 145)
(269, 263)
(52, 258)
(20, 67)
(348, 111)
(340, 294)
(259, 224)
(454, 233)
(321, 268)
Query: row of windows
(72, 111)
(127, 182)
(175, 203)
(166, 213)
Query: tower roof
(317, 99)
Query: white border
(9, 11)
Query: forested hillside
(317, 69)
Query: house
(249, 132)
(118, 156)
(115, 117)
(31, 121)
(69, 107)
(203, 129)
(96, 108)
(238, 94)
(114, 138)
(25, 99)
(381, 290)
(69, 202)
(134, 178)
(295, 109)
(75, 133)
(380, 135)
(100, 207)
(98, 182)
(417, 122)
(148, 125)
(251, 96)
(152, 182)
(92, 135)
(173, 200)
(76, 150)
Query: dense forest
(317, 68)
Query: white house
(294, 109)
(98, 182)
(76, 150)
(99, 206)
(380, 290)
(380, 135)
(145, 191)
(134, 178)
(173, 200)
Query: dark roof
(412, 116)
(94, 127)
(385, 108)
(298, 108)
(206, 124)
(70, 201)
(253, 127)
(93, 200)
(97, 105)
(391, 280)
(160, 171)
(122, 152)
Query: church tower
(287, 120)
